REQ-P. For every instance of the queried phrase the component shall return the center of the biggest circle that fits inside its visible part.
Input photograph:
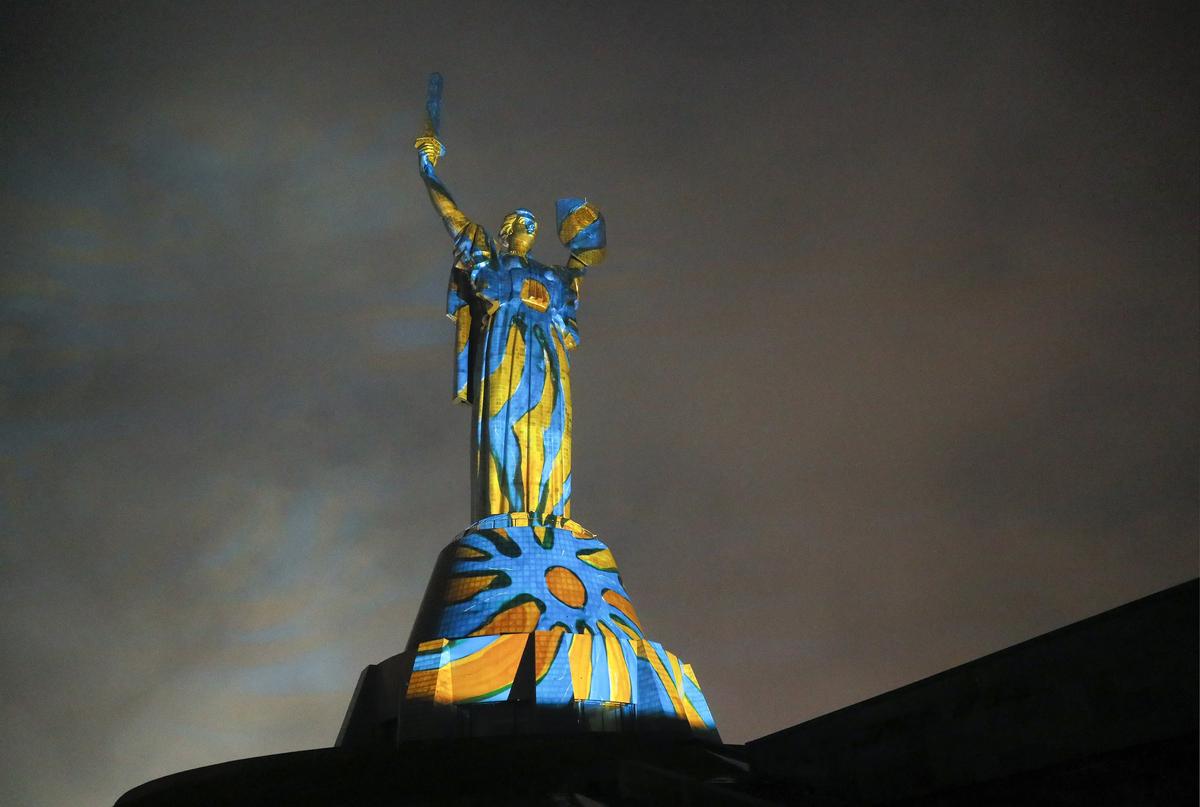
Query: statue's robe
(515, 324)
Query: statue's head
(518, 232)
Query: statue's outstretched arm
(472, 245)
(429, 151)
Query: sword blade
(433, 104)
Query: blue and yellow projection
(526, 607)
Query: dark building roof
(1104, 710)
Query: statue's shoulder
(473, 247)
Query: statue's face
(518, 232)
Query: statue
(526, 625)
(515, 325)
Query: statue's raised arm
(473, 252)
(429, 151)
(471, 242)
(472, 245)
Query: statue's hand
(431, 149)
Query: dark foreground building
(1102, 712)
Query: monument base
(509, 685)
(526, 628)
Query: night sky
(893, 362)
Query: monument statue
(526, 625)
(515, 324)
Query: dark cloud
(893, 363)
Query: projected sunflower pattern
(545, 589)
(521, 579)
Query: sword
(433, 105)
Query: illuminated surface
(545, 590)
(514, 326)
(527, 607)
(552, 576)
